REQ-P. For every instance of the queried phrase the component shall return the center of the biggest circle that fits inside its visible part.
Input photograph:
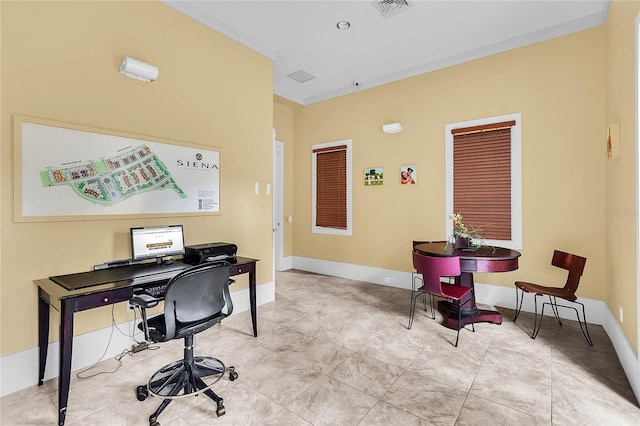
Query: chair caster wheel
(153, 422)
(220, 411)
(142, 393)
(233, 375)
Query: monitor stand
(161, 262)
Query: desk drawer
(241, 269)
(103, 298)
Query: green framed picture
(373, 176)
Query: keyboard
(154, 285)
(149, 279)
(156, 291)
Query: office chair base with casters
(188, 377)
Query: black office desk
(68, 302)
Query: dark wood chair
(575, 266)
(432, 269)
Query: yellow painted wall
(559, 88)
(60, 62)
(621, 189)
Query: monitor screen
(156, 242)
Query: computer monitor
(156, 242)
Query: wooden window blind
(331, 187)
(482, 178)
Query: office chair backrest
(572, 263)
(433, 268)
(197, 294)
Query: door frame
(278, 205)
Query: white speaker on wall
(139, 70)
(392, 128)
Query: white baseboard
(287, 263)
(486, 294)
(20, 370)
(598, 311)
(506, 297)
(627, 355)
(354, 272)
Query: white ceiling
(428, 35)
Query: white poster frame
(68, 172)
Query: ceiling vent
(389, 8)
(301, 76)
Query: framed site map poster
(65, 172)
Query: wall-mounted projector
(138, 69)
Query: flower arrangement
(465, 236)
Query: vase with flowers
(464, 236)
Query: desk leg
(43, 336)
(470, 312)
(252, 301)
(66, 342)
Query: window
(331, 164)
(483, 181)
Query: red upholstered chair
(575, 266)
(416, 279)
(432, 270)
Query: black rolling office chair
(194, 301)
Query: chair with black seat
(575, 266)
(432, 269)
(195, 300)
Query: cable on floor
(118, 358)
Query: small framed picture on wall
(408, 175)
(373, 176)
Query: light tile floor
(333, 351)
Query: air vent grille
(389, 8)
(301, 76)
